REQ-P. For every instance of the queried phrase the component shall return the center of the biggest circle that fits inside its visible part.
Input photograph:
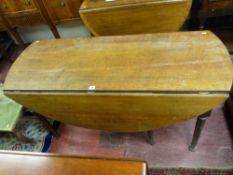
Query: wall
(40, 32)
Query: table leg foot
(198, 129)
(150, 137)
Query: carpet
(32, 128)
(190, 171)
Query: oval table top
(181, 61)
(123, 83)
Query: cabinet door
(63, 10)
(11, 6)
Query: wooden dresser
(123, 83)
(134, 16)
(21, 13)
(214, 8)
(63, 10)
(25, 13)
(217, 16)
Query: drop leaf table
(124, 83)
(108, 17)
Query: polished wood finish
(180, 61)
(25, 13)
(21, 13)
(41, 164)
(122, 112)
(63, 10)
(13, 6)
(123, 83)
(134, 17)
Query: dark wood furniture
(217, 16)
(123, 83)
(51, 164)
(62, 11)
(25, 13)
(213, 8)
(22, 13)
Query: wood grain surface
(134, 16)
(46, 164)
(119, 112)
(185, 61)
(123, 83)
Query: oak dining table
(130, 83)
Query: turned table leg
(198, 129)
(150, 137)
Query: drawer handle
(27, 2)
(62, 4)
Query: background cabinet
(217, 16)
(24, 13)
(63, 10)
(21, 13)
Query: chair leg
(150, 137)
(198, 129)
(47, 124)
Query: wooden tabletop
(45, 164)
(88, 4)
(120, 17)
(182, 61)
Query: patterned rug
(190, 171)
(32, 128)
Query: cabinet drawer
(63, 10)
(11, 6)
(22, 19)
